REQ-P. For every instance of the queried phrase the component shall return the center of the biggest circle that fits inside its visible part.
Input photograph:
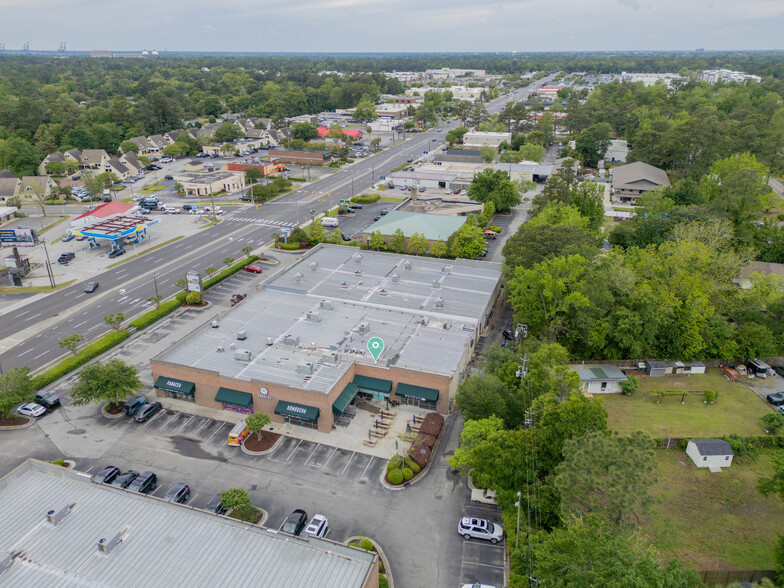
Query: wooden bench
(369, 442)
(418, 418)
(378, 434)
(381, 425)
(388, 414)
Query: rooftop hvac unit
(395, 277)
(447, 325)
(425, 320)
(58, 513)
(330, 358)
(358, 273)
(242, 355)
(326, 305)
(359, 258)
(446, 269)
(109, 541)
(290, 340)
(305, 367)
(363, 328)
(270, 340)
(344, 285)
(436, 284)
(313, 316)
(314, 266)
(408, 265)
(299, 277)
(242, 335)
(468, 328)
(440, 302)
(383, 292)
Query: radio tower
(26, 47)
(62, 48)
(2, 46)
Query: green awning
(292, 409)
(345, 398)
(172, 385)
(411, 391)
(235, 397)
(373, 384)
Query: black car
(355, 207)
(295, 523)
(145, 483)
(214, 505)
(384, 212)
(117, 253)
(779, 369)
(91, 287)
(47, 399)
(345, 237)
(124, 480)
(147, 411)
(178, 493)
(377, 217)
(66, 257)
(168, 177)
(776, 399)
(508, 335)
(106, 475)
(67, 238)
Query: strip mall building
(297, 349)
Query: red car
(254, 269)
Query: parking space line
(88, 470)
(372, 457)
(476, 563)
(348, 462)
(330, 457)
(192, 498)
(193, 416)
(174, 416)
(215, 431)
(155, 416)
(208, 421)
(312, 452)
(293, 450)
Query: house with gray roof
(52, 157)
(119, 169)
(159, 141)
(9, 187)
(73, 155)
(631, 181)
(600, 378)
(617, 152)
(713, 454)
(32, 188)
(95, 159)
(61, 528)
(171, 136)
(132, 162)
(144, 145)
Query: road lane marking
(23, 352)
(80, 324)
(44, 353)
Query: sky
(400, 26)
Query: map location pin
(375, 346)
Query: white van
(329, 221)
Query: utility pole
(48, 265)
(155, 280)
(517, 504)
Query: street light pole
(155, 280)
(48, 265)
(517, 504)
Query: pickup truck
(483, 496)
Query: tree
(234, 498)
(773, 422)
(630, 386)
(474, 433)
(228, 260)
(56, 168)
(71, 342)
(228, 132)
(532, 244)
(589, 552)
(336, 237)
(531, 152)
(156, 300)
(304, 131)
(256, 422)
(175, 150)
(210, 271)
(365, 110)
(39, 195)
(115, 321)
(316, 233)
(111, 382)
(417, 244)
(377, 241)
(252, 174)
(467, 242)
(16, 387)
(398, 241)
(128, 146)
(592, 143)
(374, 143)
(18, 156)
(480, 397)
(438, 248)
(182, 284)
(774, 484)
(246, 250)
(494, 185)
(607, 474)
(93, 183)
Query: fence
(729, 576)
(709, 363)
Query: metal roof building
(304, 337)
(60, 529)
(433, 226)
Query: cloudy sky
(392, 25)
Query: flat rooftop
(164, 544)
(332, 302)
(207, 178)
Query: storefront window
(300, 422)
(178, 396)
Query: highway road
(29, 335)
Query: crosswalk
(256, 221)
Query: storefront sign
(264, 393)
(193, 280)
(297, 409)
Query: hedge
(395, 463)
(70, 364)
(229, 271)
(288, 246)
(395, 477)
(366, 198)
(495, 229)
(149, 318)
(412, 465)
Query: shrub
(60, 462)
(420, 454)
(383, 582)
(710, 396)
(229, 271)
(407, 473)
(780, 216)
(193, 298)
(366, 544)
(428, 440)
(412, 465)
(366, 198)
(288, 246)
(395, 477)
(630, 385)
(495, 229)
(149, 318)
(395, 463)
(742, 447)
(432, 424)
(181, 297)
(773, 422)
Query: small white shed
(713, 454)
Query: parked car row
(295, 524)
(41, 404)
(140, 410)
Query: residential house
(73, 155)
(132, 162)
(31, 187)
(9, 186)
(143, 144)
(208, 130)
(617, 151)
(713, 454)
(159, 141)
(244, 124)
(171, 136)
(600, 378)
(631, 181)
(261, 123)
(52, 157)
(118, 168)
(281, 135)
(230, 116)
(94, 159)
(262, 135)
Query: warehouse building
(433, 227)
(62, 529)
(217, 182)
(298, 349)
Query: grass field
(738, 409)
(690, 522)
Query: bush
(395, 463)
(395, 477)
(229, 271)
(193, 298)
(70, 364)
(366, 544)
(742, 447)
(780, 216)
(412, 465)
(630, 385)
(495, 229)
(709, 396)
(432, 424)
(60, 462)
(383, 582)
(181, 297)
(366, 198)
(773, 422)
(407, 474)
(288, 246)
(149, 318)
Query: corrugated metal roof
(432, 226)
(165, 544)
(602, 372)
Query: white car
(172, 210)
(318, 526)
(471, 528)
(477, 586)
(31, 409)
(447, 191)
(166, 159)
(483, 496)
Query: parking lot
(482, 561)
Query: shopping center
(298, 349)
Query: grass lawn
(151, 188)
(689, 521)
(738, 409)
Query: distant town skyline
(393, 26)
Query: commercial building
(109, 223)
(726, 75)
(526, 170)
(298, 349)
(62, 529)
(433, 227)
(460, 156)
(631, 181)
(425, 179)
(204, 184)
(485, 139)
(311, 157)
(617, 152)
(548, 92)
(650, 79)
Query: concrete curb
(421, 474)
(266, 451)
(111, 416)
(207, 304)
(264, 517)
(30, 422)
(69, 464)
(381, 555)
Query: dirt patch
(268, 439)
(113, 408)
(14, 421)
